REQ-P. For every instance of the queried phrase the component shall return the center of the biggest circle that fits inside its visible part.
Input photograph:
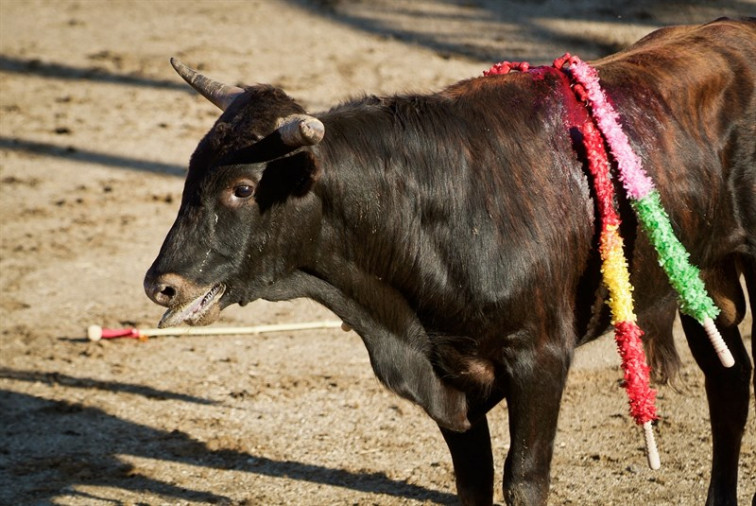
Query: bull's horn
(300, 130)
(216, 92)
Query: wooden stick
(95, 332)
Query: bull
(456, 233)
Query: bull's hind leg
(727, 389)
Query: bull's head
(245, 194)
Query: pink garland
(627, 334)
(634, 179)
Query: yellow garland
(616, 275)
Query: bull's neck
(371, 237)
(372, 211)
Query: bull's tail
(745, 199)
(749, 275)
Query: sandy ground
(95, 132)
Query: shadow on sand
(79, 445)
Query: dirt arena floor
(95, 133)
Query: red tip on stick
(95, 333)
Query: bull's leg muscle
(727, 390)
(473, 463)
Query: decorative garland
(627, 333)
(646, 203)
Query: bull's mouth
(200, 311)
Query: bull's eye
(238, 193)
(243, 191)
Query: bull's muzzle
(187, 302)
(164, 289)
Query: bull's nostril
(164, 289)
(168, 291)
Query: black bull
(457, 234)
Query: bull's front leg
(472, 456)
(473, 463)
(534, 392)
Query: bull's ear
(291, 176)
(300, 130)
(291, 133)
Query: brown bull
(456, 233)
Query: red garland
(596, 154)
(627, 334)
(506, 66)
(642, 398)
